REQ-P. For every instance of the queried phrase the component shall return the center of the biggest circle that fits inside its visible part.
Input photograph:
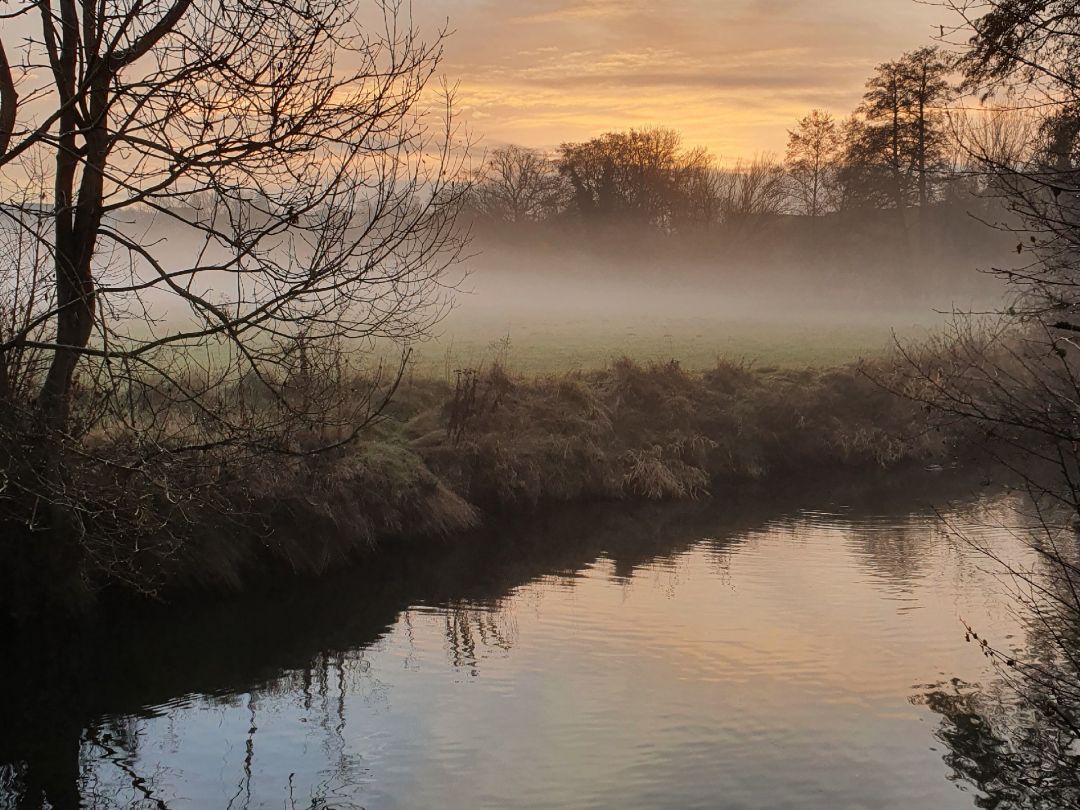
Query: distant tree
(885, 138)
(999, 137)
(517, 184)
(864, 177)
(752, 191)
(649, 166)
(813, 154)
(899, 143)
(925, 76)
(699, 185)
(641, 176)
(589, 167)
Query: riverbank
(450, 454)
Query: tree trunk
(923, 193)
(74, 285)
(76, 222)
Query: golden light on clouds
(729, 74)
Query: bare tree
(1016, 379)
(1003, 137)
(640, 176)
(752, 191)
(233, 196)
(813, 153)
(518, 185)
(699, 187)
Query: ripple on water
(769, 667)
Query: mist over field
(556, 303)
(546, 307)
(554, 299)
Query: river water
(771, 650)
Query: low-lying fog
(556, 309)
(548, 304)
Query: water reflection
(1016, 740)
(610, 657)
(1003, 750)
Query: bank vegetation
(445, 455)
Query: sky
(731, 75)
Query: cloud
(730, 74)
(583, 9)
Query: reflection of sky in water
(769, 670)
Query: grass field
(531, 345)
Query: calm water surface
(765, 653)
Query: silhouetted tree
(813, 153)
(698, 200)
(753, 191)
(323, 220)
(925, 73)
(518, 185)
(899, 143)
(640, 176)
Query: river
(789, 648)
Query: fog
(556, 299)
(539, 306)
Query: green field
(535, 345)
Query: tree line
(898, 151)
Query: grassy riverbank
(449, 454)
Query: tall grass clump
(657, 432)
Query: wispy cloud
(730, 74)
(569, 11)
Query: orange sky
(729, 74)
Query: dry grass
(658, 432)
(446, 454)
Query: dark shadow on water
(57, 694)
